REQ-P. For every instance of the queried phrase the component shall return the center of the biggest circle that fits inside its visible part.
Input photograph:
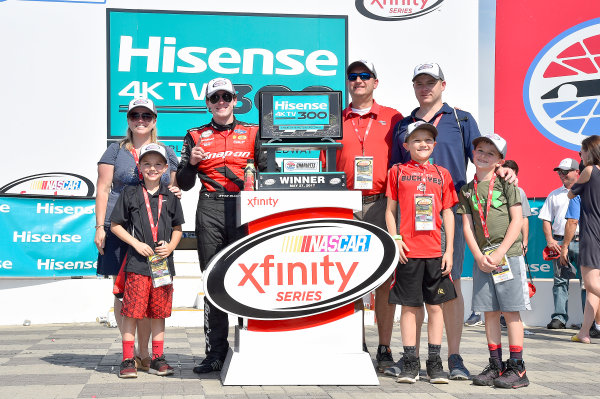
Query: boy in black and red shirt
(418, 191)
(154, 217)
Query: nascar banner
(41, 237)
(547, 85)
(166, 56)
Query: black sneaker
(411, 365)
(208, 365)
(555, 324)
(514, 376)
(435, 370)
(502, 321)
(594, 332)
(159, 366)
(384, 358)
(127, 369)
(492, 371)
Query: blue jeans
(560, 290)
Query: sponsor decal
(206, 134)
(300, 268)
(561, 92)
(223, 154)
(55, 183)
(301, 165)
(396, 10)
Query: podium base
(329, 354)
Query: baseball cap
(420, 125)
(431, 69)
(143, 102)
(367, 64)
(153, 147)
(567, 164)
(218, 84)
(494, 139)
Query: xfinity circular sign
(396, 10)
(300, 268)
(562, 87)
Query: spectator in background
(553, 223)
(588, 187)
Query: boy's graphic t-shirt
(504, 196)
(404, 182)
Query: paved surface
(82, 360)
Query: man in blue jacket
(456, 131)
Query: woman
(117, 168)
(588, 187)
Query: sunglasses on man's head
(146, 116)
(227, 97)
(363, 76)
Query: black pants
(216, 227)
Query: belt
(560, 238)
(210, 194)
(367, 199)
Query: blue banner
(170, 57)
(539, 267)
(41, 237)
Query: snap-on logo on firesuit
(561, 92)
(300, 268)
(393, 10)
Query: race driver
(217, 153)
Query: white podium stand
(322, 349)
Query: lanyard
(488, 203)
(153, 228)
(423, 185)
(435, 122)
(137, 163)
(362, 141)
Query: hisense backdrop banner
(547, 84)
(41, 237)
(170, 57)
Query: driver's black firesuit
(227, 149)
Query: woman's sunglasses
(146, 116)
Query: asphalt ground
(82, 361)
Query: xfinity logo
(253, 202)
(300, 268)
(561, 92)
(392, 10)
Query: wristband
(98, 226)
(397, 237)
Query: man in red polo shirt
(368, 130)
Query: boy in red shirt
(418, 191)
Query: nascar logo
(326, 243)
(562, 88)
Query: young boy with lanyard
(418, 191)
(492, 219)
(154, 217)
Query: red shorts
(142, 300)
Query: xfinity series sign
(394, 10)
(562, 87)
(169, 57)
(300, 268)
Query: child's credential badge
(424, 219)
(363, 173)
(159, 271)
(502, 272)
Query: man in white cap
(367, 139)
(456, 131)
(222, 178)
(553, 223)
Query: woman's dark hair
(509, 163)
(592, 145)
